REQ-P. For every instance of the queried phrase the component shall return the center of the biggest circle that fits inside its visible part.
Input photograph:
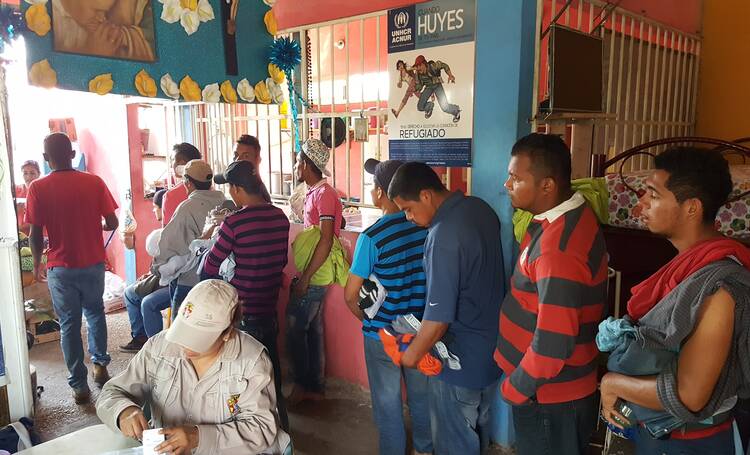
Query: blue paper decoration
(287, 54)
(11, 25)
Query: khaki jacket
(233, 405)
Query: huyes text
(433, 20)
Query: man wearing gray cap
(391, 251)
(187, 225)
(323, 211)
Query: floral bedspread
(733, 219)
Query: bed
(635, 253)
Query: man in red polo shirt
(70, 205)
(181, 154)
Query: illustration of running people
(429, 82)
(405, 75)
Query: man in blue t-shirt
(465, 286)
(391, 250)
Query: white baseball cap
(205, 314)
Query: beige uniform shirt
(233, 405)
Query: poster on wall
(431, 75)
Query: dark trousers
(559, 429)
(266, 331)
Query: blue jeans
(75, 292)
(266, 330)
(145, 312)
(424, 104)
(718, 444)
(459, 418)
(177, 293)
(559, 428)
(387, 409)
(305, 339)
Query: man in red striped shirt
(258, 236)
(549, 319)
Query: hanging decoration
(37, 18)
(211, 93)
(246, 91)
(274, 89)
(11, 25)
(261, 93)
(228, 92)
(42, 75)
(145, 84)
(101, 84)
(275, 72)
(189, 89)
(169, 87)
(190, 13)
(270, 20)
(286, 54)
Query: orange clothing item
(395, 346)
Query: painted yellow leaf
(38, 20)
(270, 20)
(41, 74)
(190, 90)
(261, 93)
(276, 74)
(145, 84)
(192, 5)
(101, 84)
(228, 92)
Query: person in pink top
(305, 310)
(181, 154)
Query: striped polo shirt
(548, 322)
(259, 238)
(392, 249)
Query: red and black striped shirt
(548, 322)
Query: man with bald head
(74, 207)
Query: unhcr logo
(401, 19)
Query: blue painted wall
(200, 55)
(502, 107)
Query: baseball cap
(204, 315)
(199, 171)
(382, 171)
(318, 153)
(240, 173)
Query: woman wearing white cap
(209, 386)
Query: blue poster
(431, 95)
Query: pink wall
(345, 357)
(93, 139)
(685, 15)
(293, 13)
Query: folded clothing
(396, 344)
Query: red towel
(650, 292)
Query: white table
(92, 440)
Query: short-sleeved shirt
(463, 263)
(392, 250)
(172, 199)
(70, 204)
(259, 238)
(322, 203)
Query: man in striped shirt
(258, 235)
(549, 319)
(391, 250)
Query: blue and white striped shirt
(392, 249)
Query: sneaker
(82, 396)
(100, 374)
(135, 345)
(457, 117)
(428, 113)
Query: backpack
(18, 436)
